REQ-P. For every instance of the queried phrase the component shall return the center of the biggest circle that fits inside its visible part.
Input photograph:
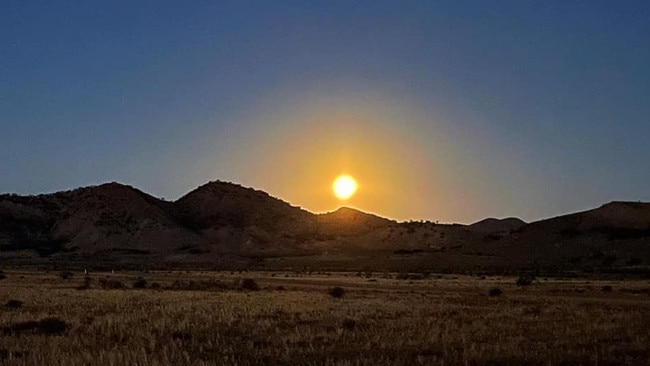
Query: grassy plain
(207, 318)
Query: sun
(344, 187)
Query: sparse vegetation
(388, 322)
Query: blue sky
(510, 108)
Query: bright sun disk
(344, 187)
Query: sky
(447, 111)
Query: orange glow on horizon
(313, 141)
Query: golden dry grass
(379, 321)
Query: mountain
(110, 220)
(615, 234)
(225, 225)
(244, 221)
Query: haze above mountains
(226, 226)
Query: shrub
(14, 304)
(47, 326)
(140, 283)
(181, 336)
(606, 288)
(249, 284)
(201, 285)
(111, 284)
(52, 326)
(524, 281)
(402, 276)
(86, 283)
(634, 261)
(495, 291)
(609, 260)
(349, 323)
(418, 276)
(337, 292)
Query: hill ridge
(223, 224)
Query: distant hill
(492, 225)
(225, 225)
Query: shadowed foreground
(213, 318)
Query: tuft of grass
(336, 292)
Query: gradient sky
(443, 110)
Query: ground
(216, 318)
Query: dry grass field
(216, 318)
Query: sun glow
(344, 187)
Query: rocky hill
(224, 225)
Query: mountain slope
(245, 221)
(110, 219)
(615, 234)
(114, 217)
(224, 225)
